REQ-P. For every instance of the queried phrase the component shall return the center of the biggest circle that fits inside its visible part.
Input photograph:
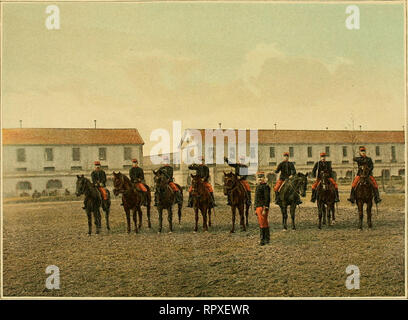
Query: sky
(245, 65)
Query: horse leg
(107, 218)
(127, 211)
(333, 213)
(160, 209)
(329, 211)
(319, 212)
(97, 218)
(89, 215)
(204, 214)
(149, 224)
(233, 209)
(242, 217)
(292, 215)
(139, 211)
(360, 205)
(170, 218)
(246, 215)
(284, 211)
(369, 207)
(196, 219)
(179, 212)
(324, 212)
(134, 211)
(209, 216)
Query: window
(21, 169)
(49, 156)
(309, 152)
(344, 151)
(76, 154)
(104, 167)
(252, 152)
(310, 163)
(271, 152)
(54, 184)
(377, 161)
(291, 152)
(344, 161)
(377, 151)
(393, 155)
(127, 153)
(102, 153)
(210, 152)
(272, 163)
(127, 166)
(76, 168)
(21, 156)
(328, 151)
(49, 169)
(23, 185)
(232, 154)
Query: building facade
(48, 160)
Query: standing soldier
(262, 201)
(364, 160)
(321, 166)
(241, 170)
(204, 173)
(286, 169)
(167, 170)
(136, 175)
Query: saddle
(283, 183)
(103, 193)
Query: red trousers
(357, 179)
(314, 185)
(104, 193)
(262, 218)
(141, 186)
(278, 185)
(246, 185)
(206, 184)
(173, 186)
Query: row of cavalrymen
(286, 169)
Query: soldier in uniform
(136, 175)
(286, 169)
(241, 170)
(361, 160)
(319, 167)
(98, 177)
(262, 201)
(204, 173)
(167, 170)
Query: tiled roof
(70, 136)
(272, 136)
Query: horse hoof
(333, 222)
(232, 231)
(284, 230)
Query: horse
(364, 195)
(238, 196)
(325, 195)
(132, 200)
(289, 195)
(166, 199)
(201, 201)
(93, 201)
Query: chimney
(360, 127)
(21, 123)
(219, 125)
(95, 123)
(275, 125)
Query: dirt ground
(306, 262)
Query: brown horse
(326, 196)
(132, 200)
(364, 195)
(238, 196)
(201, 201)
(166, 199)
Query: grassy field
(306, 262)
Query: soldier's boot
(229, 200)
(298, 201)
(267, 235)
(337, 198)
(190, 200)
(313, 199)
(377, 198)
(352, 198)
(277, 197)
(213, 204)
(249, 202)
(262, 236)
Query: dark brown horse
(201, 201)
(238, 196)
(132, 200)
(166, 199)
(326, 196)
(364, 195)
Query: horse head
(160, 180)
(196, 182)
(364, 174)
(324, 178)
(118, 183)
(229, 181)
(80, 185)
(301, 180)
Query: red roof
(70, 136)
(270, 136)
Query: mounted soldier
(98, 177)
(241, 171)
(167, 171)
(361, 161)
(286, 170)
(262, 201)
(136, 175)
(320, 167)
(203, 172)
